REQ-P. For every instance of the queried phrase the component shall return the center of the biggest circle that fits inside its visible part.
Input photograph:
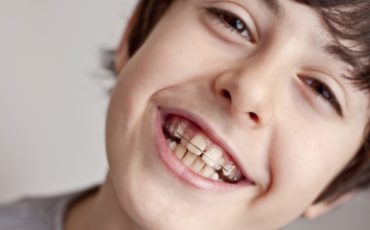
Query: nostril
(254, 117)
(226, 94)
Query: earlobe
(122, 56)
(323, 207)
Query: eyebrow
(337, 52)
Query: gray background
(53, 100)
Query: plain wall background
(53, 97)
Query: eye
(231, 22)
(325, 93)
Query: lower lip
(182, 172)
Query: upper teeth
(213, 157)
(197, 145)
(200, 153)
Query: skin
(291, 141)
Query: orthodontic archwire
(203, 152)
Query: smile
(194, 156)
(198, 152)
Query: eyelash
(231, 22)
(324, 92)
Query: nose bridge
(258, 78)
(254, 88)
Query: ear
(121, 57)
(324, 207)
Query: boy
(230, 115)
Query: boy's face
(269, 94)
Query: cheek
(174, 53)
(308, 158)
(304, 160)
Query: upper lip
(209, 131)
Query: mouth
(194, 154)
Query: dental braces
(233, 174)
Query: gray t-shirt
(39, 213)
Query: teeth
(207, 171)
(198, 165)
(229, 170)
(189, 158)
(180, 151)
(172, 145)
(232, 173)
(191, 150)
(212, 157)
(184, 141)
(177, 128)
(215, 176)
(220, 164)
(197, 145)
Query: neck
(99, 211)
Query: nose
(250, 92)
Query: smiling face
(253, 82)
